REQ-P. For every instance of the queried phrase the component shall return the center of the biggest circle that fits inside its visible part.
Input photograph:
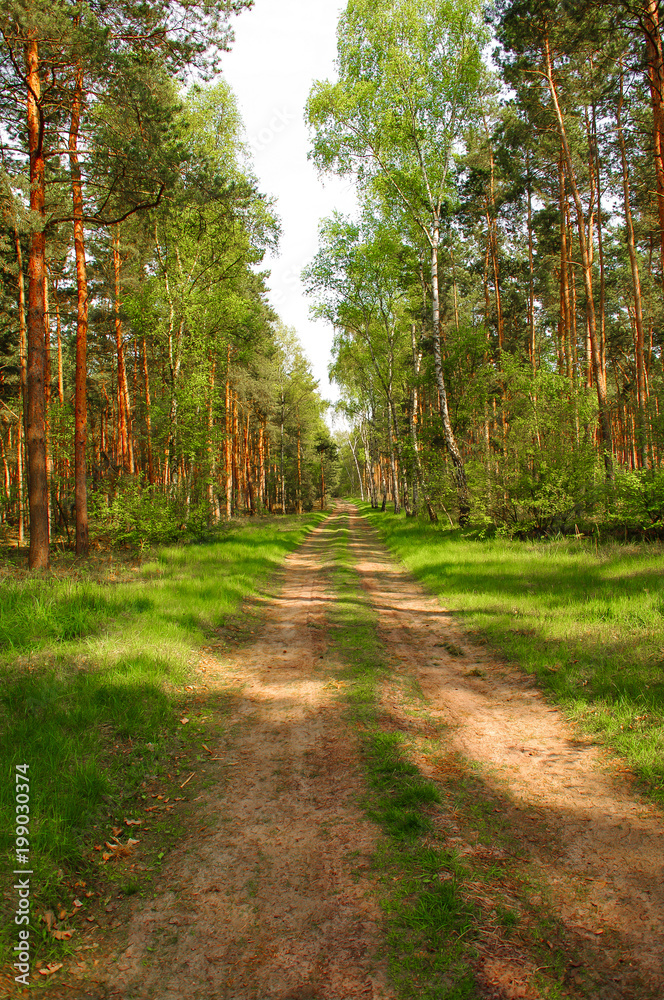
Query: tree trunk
(36, 416)
(81, 401)
(211, 470)
(649, 20)
(228, 460)
(148, 412)
(22, 339)
(58, 331)
(393, 464)
(124, 431)
(353, 451)
(565, 309)
(299, 464)
(419, 471)
(531, 274)
(283, 484)
(47, 399)
(600, 381)
(450, 440)
(262, 484)
(19, 480)
(636, 285)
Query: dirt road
(272, 897)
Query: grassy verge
(94, 665)
(587, 620)
(429, 918)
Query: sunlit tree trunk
(532, 346)
(649, 19)
(148, 411)
(211, 470)
(419, 471)
(450, 439)
(81, 400)
(58, 333)
(281, 431)
(36, 333)
(636, 285)
(19, 482)
(600, 380)
(299, 464)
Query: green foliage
(139, 515)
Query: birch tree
(409, 72)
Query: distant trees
(525, 206)
(409, 75)
(136, 362)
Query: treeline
(146, 384)
(498, 300)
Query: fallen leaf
(184, 721)
(97, 847)
(48, 970)
(131, 842)
(106, 856)
(77, 903)
(116, 831)
(62, 914)
(49, 918)
(133, 822)
(61, 935)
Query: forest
(497, 301)
(148, 388)
(300, 698)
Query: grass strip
(93, 669)
(586, 619)
(429, 919)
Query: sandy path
(266, 906)
(579, 818)
(272, 899)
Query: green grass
(587, 620)
(429, 919)
(92, 669)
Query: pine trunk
(81, 401)
(36, 331)
(600, 380)
(636, 286)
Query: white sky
(281, 47)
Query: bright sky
(281, 47)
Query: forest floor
(489, 832)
